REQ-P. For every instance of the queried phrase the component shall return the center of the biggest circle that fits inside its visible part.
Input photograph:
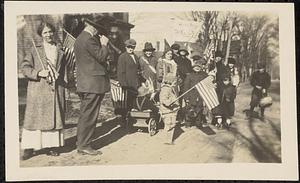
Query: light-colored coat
(45, 108)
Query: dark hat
(175, 46)
(199, 62)
(226, 77)
(231, 61)
(185, 52)
(148, 47)
(261, 65)
(218, 54)
(130, 42)
(196, 57)
(98, 24)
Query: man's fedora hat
(100, 23)
(148, 47)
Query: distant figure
(45, 107)
(194, 102)
(175, 50)
(234, 73)
(261, 81)
(148, 63)
(221, 68)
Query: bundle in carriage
(145, 112)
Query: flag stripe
(208, 93)
(211, 91)
(205, 95)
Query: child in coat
(168, 110)
(226, 94)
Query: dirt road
(245, 141)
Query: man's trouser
(89, 111)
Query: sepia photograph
(107, 85)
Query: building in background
(155, 27)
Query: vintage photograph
(145, 88)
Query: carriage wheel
(152, 127)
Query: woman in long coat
(44, 119)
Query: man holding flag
(194, 99)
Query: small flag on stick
(207, 91)
(68, 47)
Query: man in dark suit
(92, 81)
(128, 74)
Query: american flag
(209, 52)
(207, 91)
(68, 47)
(118, 96)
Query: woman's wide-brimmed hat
(148, 47)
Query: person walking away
(44, 67)
(194, 109)
(260, 81)
(92, 81)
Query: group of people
(171, 75)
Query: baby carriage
(145, 112)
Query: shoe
(228, 122)
(52, 153)
(169, 143)
(89, 151)
(204, 125)
(219, 126)
(28, 153)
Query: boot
(27, 154)
(169, 136)
(250, 115)
(219, 123)
(262, 114)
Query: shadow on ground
(107, 133)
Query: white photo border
(287, 170)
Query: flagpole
(68, 33)
(38, 55)
(182, 95)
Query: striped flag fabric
(68, 47)
(118, 96)
(209, 52)
(208, 93)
